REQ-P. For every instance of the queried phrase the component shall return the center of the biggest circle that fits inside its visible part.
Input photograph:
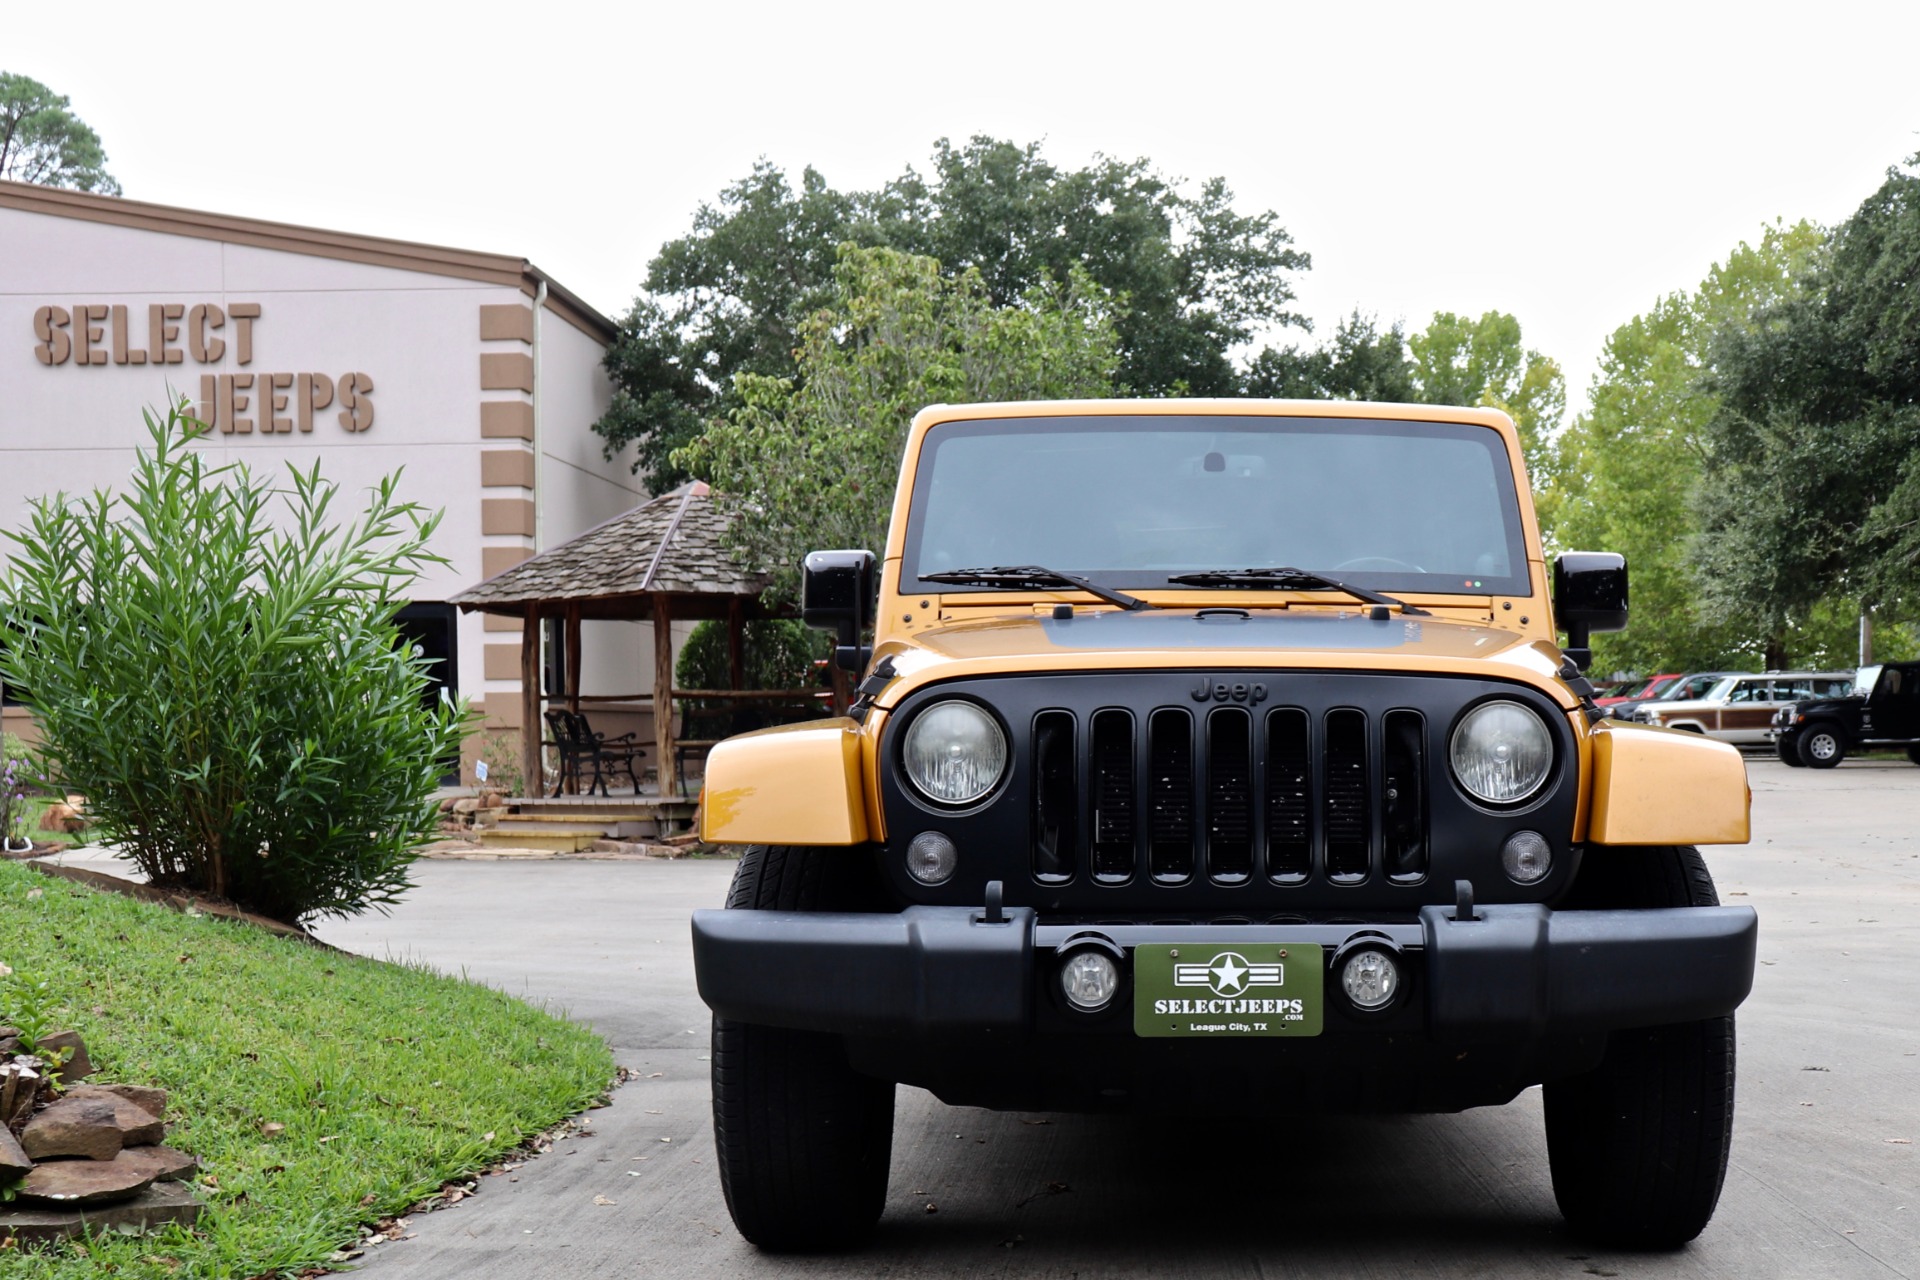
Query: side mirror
(836, 594)
(1589, 594)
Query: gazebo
(666, 561)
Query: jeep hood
(1210, 639)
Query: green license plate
(1227, 991)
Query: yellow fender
(792, 784)
(1666, 786)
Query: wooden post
(531, 725)
(663, 691)
(573, 657)
(736, 640)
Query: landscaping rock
(166, 1164)
(78, 1065)
(149, 1099)
(159, 1204)
(19, 1086)
(13, 1161)
(75, 1182)
(96, 1127)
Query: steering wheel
(1377, 564)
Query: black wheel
(1822, 746)
(1638, 1146)
(1788, 749)
(803, 1140)
(1913, 753)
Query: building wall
(424, 373)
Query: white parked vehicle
(1739, 708)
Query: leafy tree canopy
(42, 141)
(810, 460)
(1627, 468)
(1454, 360)
(1197, 278)
(1360, 362)
(1811, 484)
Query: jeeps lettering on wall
(100, 333)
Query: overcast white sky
(1566, 163)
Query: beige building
(475, 373)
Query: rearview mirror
(1589, 594)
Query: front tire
(1822, 746)
(1788, 749)
(803, 1140)
(1638, 1146)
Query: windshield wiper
(1032, 577)
(1288, 577)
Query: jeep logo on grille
(1211, 690)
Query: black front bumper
(1513, 973)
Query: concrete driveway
(1826, 1157)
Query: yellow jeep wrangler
(1218, 757)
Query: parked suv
(1739, 709)
(1217, 758)
(1883, 710)
(1680, 689)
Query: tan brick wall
(500, 559)
(503, 661)
(506, 468)
(506, 371)
(507, 515)
(506, 420)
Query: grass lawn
(389, 1079)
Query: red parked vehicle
(1652, 687)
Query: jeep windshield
(1137, 502)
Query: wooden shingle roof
(674, 545)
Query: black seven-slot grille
(1196, 790)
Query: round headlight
(1501, 752)
(954, 753)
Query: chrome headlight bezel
(927, 719)
(1537, 773)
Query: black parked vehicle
(1883, 711)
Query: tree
(42, 141)
(1360, 362)
(1811, 489)
(1627, 469)
(1197, 278)
(233, 698)
(810, 461)
(1484, 362)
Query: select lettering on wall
(102, 333)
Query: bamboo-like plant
(227, 688)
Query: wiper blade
(1032, 577)
(1289, 577)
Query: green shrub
(227, 689)
(775, 653)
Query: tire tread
(1639, 1146)
(802, 1140)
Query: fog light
(1527, 857)
(1370, 979)
(1089, 980)
(931, 858)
